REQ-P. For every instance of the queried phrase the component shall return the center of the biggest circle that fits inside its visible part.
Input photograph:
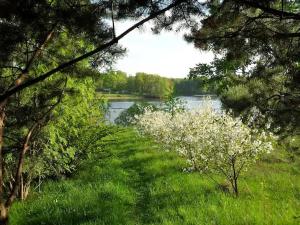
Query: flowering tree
(210, 141)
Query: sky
(166, 54)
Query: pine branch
(100, 48)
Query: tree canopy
(40, 38)
(74, 38)
(259, 41)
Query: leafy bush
(127, 117)
(173, 105)
(237, 97)
(74, 131)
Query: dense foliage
(196, 86)
(259, 42)
(73, 131)
(43, 43)
(147, 85)
(155, 86)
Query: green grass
(133, 182)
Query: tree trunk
(236, 190)
(234, 179)
(3, 215)
(26, 191)
(3, 209)
(21, 188)
(2, 125)
(24, 188)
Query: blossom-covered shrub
(211, 141)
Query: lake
(190, 102)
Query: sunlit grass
(133, 182)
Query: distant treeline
(196, 86)
(152, 85)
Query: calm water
(191, 102)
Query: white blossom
(209, 140)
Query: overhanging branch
(100, 48)
(275, 12)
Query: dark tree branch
(39, 49)
(275, 12)
(286, 35)
(113, 19)
(115, 40)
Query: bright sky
(167, 54)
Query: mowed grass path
(133, 182)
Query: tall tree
(33, 49)
(260, 40)
(42, 38)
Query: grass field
(132, 182)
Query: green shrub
(237, 97)
(127, 117)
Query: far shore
(119, 96)
(115, 96)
